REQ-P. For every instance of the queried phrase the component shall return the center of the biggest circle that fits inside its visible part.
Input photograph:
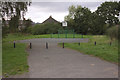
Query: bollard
(46, 45)
(63, 44)
(14, 44)
(79, 43)
(95, 43)
(30, 45)
(110, 43)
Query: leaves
(12, 13)
(11, 9)
(83, 21)
(109, 11)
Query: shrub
(47, 28)
(113, 32)
(29, 29)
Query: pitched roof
(50, 20)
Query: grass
(18, 36)
(102, 50)
(14, 59)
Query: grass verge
(14, 59)
(102, 50)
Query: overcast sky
(40, 11)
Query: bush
(47, 28)
(29, 29)
(113, 32)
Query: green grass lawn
(102, 50)
(14, 60)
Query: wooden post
(14, 44)
(63, 44)
(30, 45)
(95, 43)
(79, 43)
(46, 45)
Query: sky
(40, 11)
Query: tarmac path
(56, 62)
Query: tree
(71, 14)
(26, 23)
(97, 25)
(110, 12)
(13, 24)
(13, 11)
(118, 6)
(5, 28)
(112, 32)
(82, 19)
(70, 17)
(78, 19)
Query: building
(51, 20)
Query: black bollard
(79, 43)
(46, 45)
(63, 44)
(30, 45)
(95, 43)
(14, 44)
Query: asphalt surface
(56, 62)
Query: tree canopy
(83, 21)
(12, 13)
(109, 11)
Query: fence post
(30, 45)
(95, 43)
(79, 43)
(46, 45)
(63, 44)
(14, 44)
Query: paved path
(56, 62)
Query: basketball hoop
(64, 24)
